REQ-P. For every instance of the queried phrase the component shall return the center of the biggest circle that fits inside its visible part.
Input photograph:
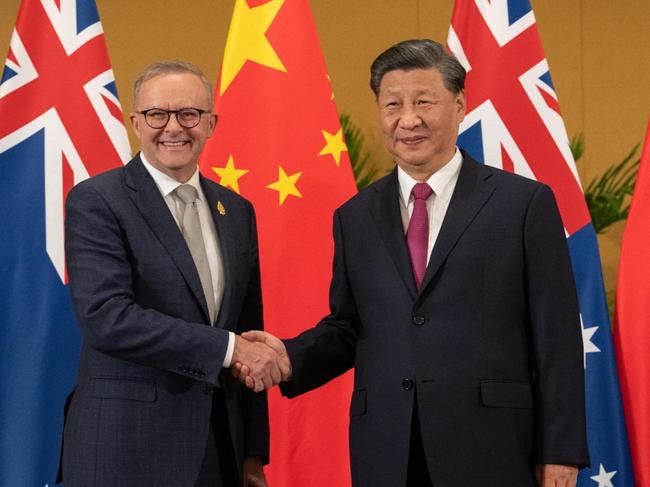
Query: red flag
(632, 321)
(279, 143)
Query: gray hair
(419, 54)
(169, 67)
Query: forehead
(399, 81)
(173, 90)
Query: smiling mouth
(174, 144)
(411, 140)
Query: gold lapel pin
(220, 208)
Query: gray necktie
(191, 229)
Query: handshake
(260, 360)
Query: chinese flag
(279, 143)
(632, 321)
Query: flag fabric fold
(514, 122)
(60, 122)
(632, 320)
(279, 143)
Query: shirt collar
(438, 180)
(166, 184)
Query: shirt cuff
(229, 350)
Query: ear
(461, 105)
(135, 123)
(212, 123)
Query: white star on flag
(604, 478)
(587, 345)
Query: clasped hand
(260, 360)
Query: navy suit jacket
(140, 412)
(490, 347)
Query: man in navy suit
(453, 298)
(152, 406)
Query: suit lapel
(227, 243)
(388, 219)
(472, 191)
(154, 210)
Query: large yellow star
(334, 146)
(230, 174)
(247, 40)
(286, 185)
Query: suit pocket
(130, 388)
(482, 235)
(496, 394)
(358, 403)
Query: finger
(276, 373)
(235, 370)
(250, 382)
(255, 336)
(285, 367)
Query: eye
(188, 114)
(423, 102)
(157, 114)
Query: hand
(246, 374)
(254, 472)
(551, 475)
(261, 362)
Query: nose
(409, 118)
(172, 124)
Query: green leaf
(364, 172)
(608, 195)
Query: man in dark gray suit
(453, 298)
(164, 271)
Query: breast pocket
(482, 235)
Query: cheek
(387, 125)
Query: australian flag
(60, 122)
(513, 122)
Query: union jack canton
(60, 122)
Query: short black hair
(419, 54)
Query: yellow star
(247, 40)
(334, 146)
(286, 185)
(230, 174)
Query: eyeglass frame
(169, 116)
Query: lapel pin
(220, 208)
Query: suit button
(419, 320)
(207, 390)
(407, 384)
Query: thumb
(256, 336)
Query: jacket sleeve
(556, 336)
(101, 282)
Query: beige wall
(594, 47)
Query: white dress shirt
(442, 182)
(166, 185)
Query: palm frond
(364, 172)
(608, 195)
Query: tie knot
(187, 193)
(421, 191)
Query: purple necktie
(417, 234)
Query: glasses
(188, 118)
